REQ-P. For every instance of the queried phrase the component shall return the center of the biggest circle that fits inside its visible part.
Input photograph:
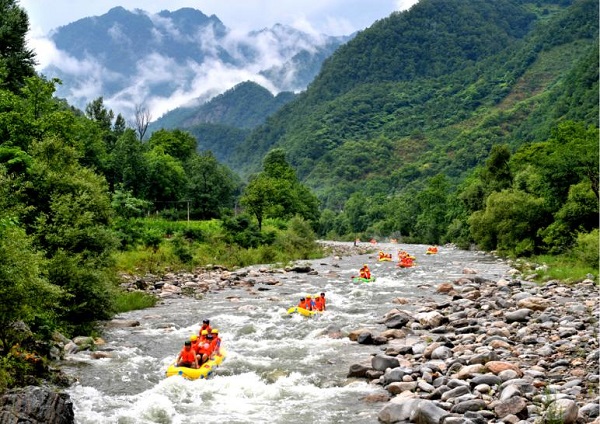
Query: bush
(586, 249)
(182, 248)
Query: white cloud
(189, 81)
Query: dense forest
(466, 122)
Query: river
(280, 368)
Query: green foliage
(210, 186)
(175, 143)
(508, 223)
(586, 249)
(128, 165)
(131, 301)
(298, 240)
(16, 60)
(167, 178)
(127, 206)
(182, 248)
(242, 231)
(277, 193)
(25, 293)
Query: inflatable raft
(363, 280)
(385, 259)
(205, 371)
(302, 311)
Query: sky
(331, 17)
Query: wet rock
(36, 405)
(383, 362)
(122, 323)
(358, 371)
(520, 315)
(397, 320)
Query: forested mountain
(431, 90)
(134, 57)
(224, 122)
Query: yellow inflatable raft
(205, 371)
(302, 311)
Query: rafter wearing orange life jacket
(205, 327)
(320, 302)
(215, 345)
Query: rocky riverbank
(508, 351)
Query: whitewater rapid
(280, 368)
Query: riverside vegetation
(77, 187)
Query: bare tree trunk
(142, 120)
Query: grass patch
(562, 267)
(131, 301)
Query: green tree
(166, 177)
(176, 143)
(25, 294)
(70, 216)
(432, 222)
(259, 196)
(210, 186)
(17, 62)
(509, 222)
(277, 193)
(128, 165)
(496, 174)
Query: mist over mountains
(171, 59)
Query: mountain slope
(431, 90)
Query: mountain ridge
(167, 59)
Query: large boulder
(36, 405)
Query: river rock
(512, 406)
(563, 411)
(397, 320)
(122, 323)
(36, 405)
(383, 362)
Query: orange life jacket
(214, 345)
(318, 304)
(302, 304)
(204, 348)
(188, 355)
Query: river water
(280, 368)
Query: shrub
(586, 249)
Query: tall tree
(210, 186)
(277, 193)
(16, 60)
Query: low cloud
(163, 83)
